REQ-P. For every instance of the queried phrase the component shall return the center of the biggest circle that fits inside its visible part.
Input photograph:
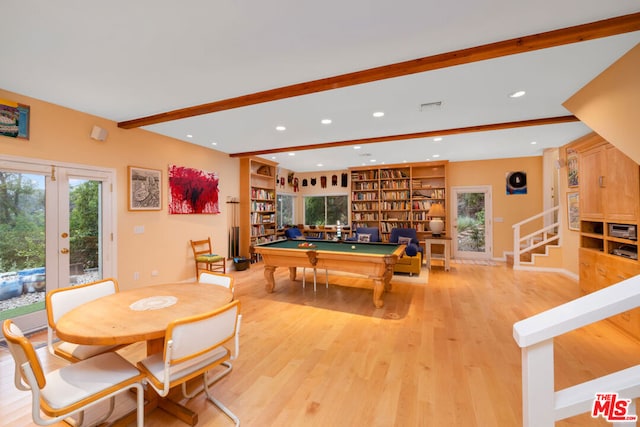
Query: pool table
(374, 260)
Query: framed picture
(572, 168)
(193, 191)
(14, 119)
(573, 211)
(145, 189)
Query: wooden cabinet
(397, 196)
(609, 195)
(257, 203)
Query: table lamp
(436, 225)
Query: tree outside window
(326, 210)
(285, 210)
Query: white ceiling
(123, 60)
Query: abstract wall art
(193, 191)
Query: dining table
(142, 315)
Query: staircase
(539, 248)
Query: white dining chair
(218, 279)
(60, 301)
(68, 391)
(193, 346)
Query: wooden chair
(193, 346)
(204, 257)
(68, 391)
(61, 300)
(218, 279)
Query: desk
(446, 242)
(375, 260)
(111, 320)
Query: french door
(56, 224)
(472, 226)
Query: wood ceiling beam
(426, 134)
(578, 33)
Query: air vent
(431, 106)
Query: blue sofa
(373, 232)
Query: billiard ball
(353, 246)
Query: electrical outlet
(136, 276)
(154, 273)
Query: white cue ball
(353, 246)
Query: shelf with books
(397, 195)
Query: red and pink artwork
(193, 191)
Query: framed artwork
(516, 182)
(573, 211)
(572, 168)
(145, 189)
(14, 119)
(193, 191)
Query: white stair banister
(542, 406)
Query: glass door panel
(22, 243)
(471, 224)
(85, 231)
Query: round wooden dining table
(142, 314)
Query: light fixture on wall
(436, 225)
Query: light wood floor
(435, 355)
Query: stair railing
(542, 406)
(541, 237)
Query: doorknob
(64, 251)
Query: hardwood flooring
(435, 355)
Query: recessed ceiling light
(534, 142)
(357, 147)
(517, 94)
(436, 156)
(319, 165)
(189, 136)
(292, 154)
(378, 114)
(437, 139)
(281, 128)
(372, 160)
(325, 121)
(273, 157)
(214, 143)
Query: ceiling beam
(426, 134)
(578, 33)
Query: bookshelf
(258, 205)
(399, 196)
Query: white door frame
(56, 221)
(488, 230)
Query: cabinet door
(591, 178)
(588, 279)
(622, 187)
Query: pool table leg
(268, 275)
(378, 290)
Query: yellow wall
(609, 104)
(60, 134)
(511, 208)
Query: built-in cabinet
(609, 209)
(397, 196)
(257, 202)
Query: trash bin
(241, 263)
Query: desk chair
(68, 391)
(60, 301)
(205, 258)
(193, 346)
(218, 279)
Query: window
(326, 210)
(285, 209)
